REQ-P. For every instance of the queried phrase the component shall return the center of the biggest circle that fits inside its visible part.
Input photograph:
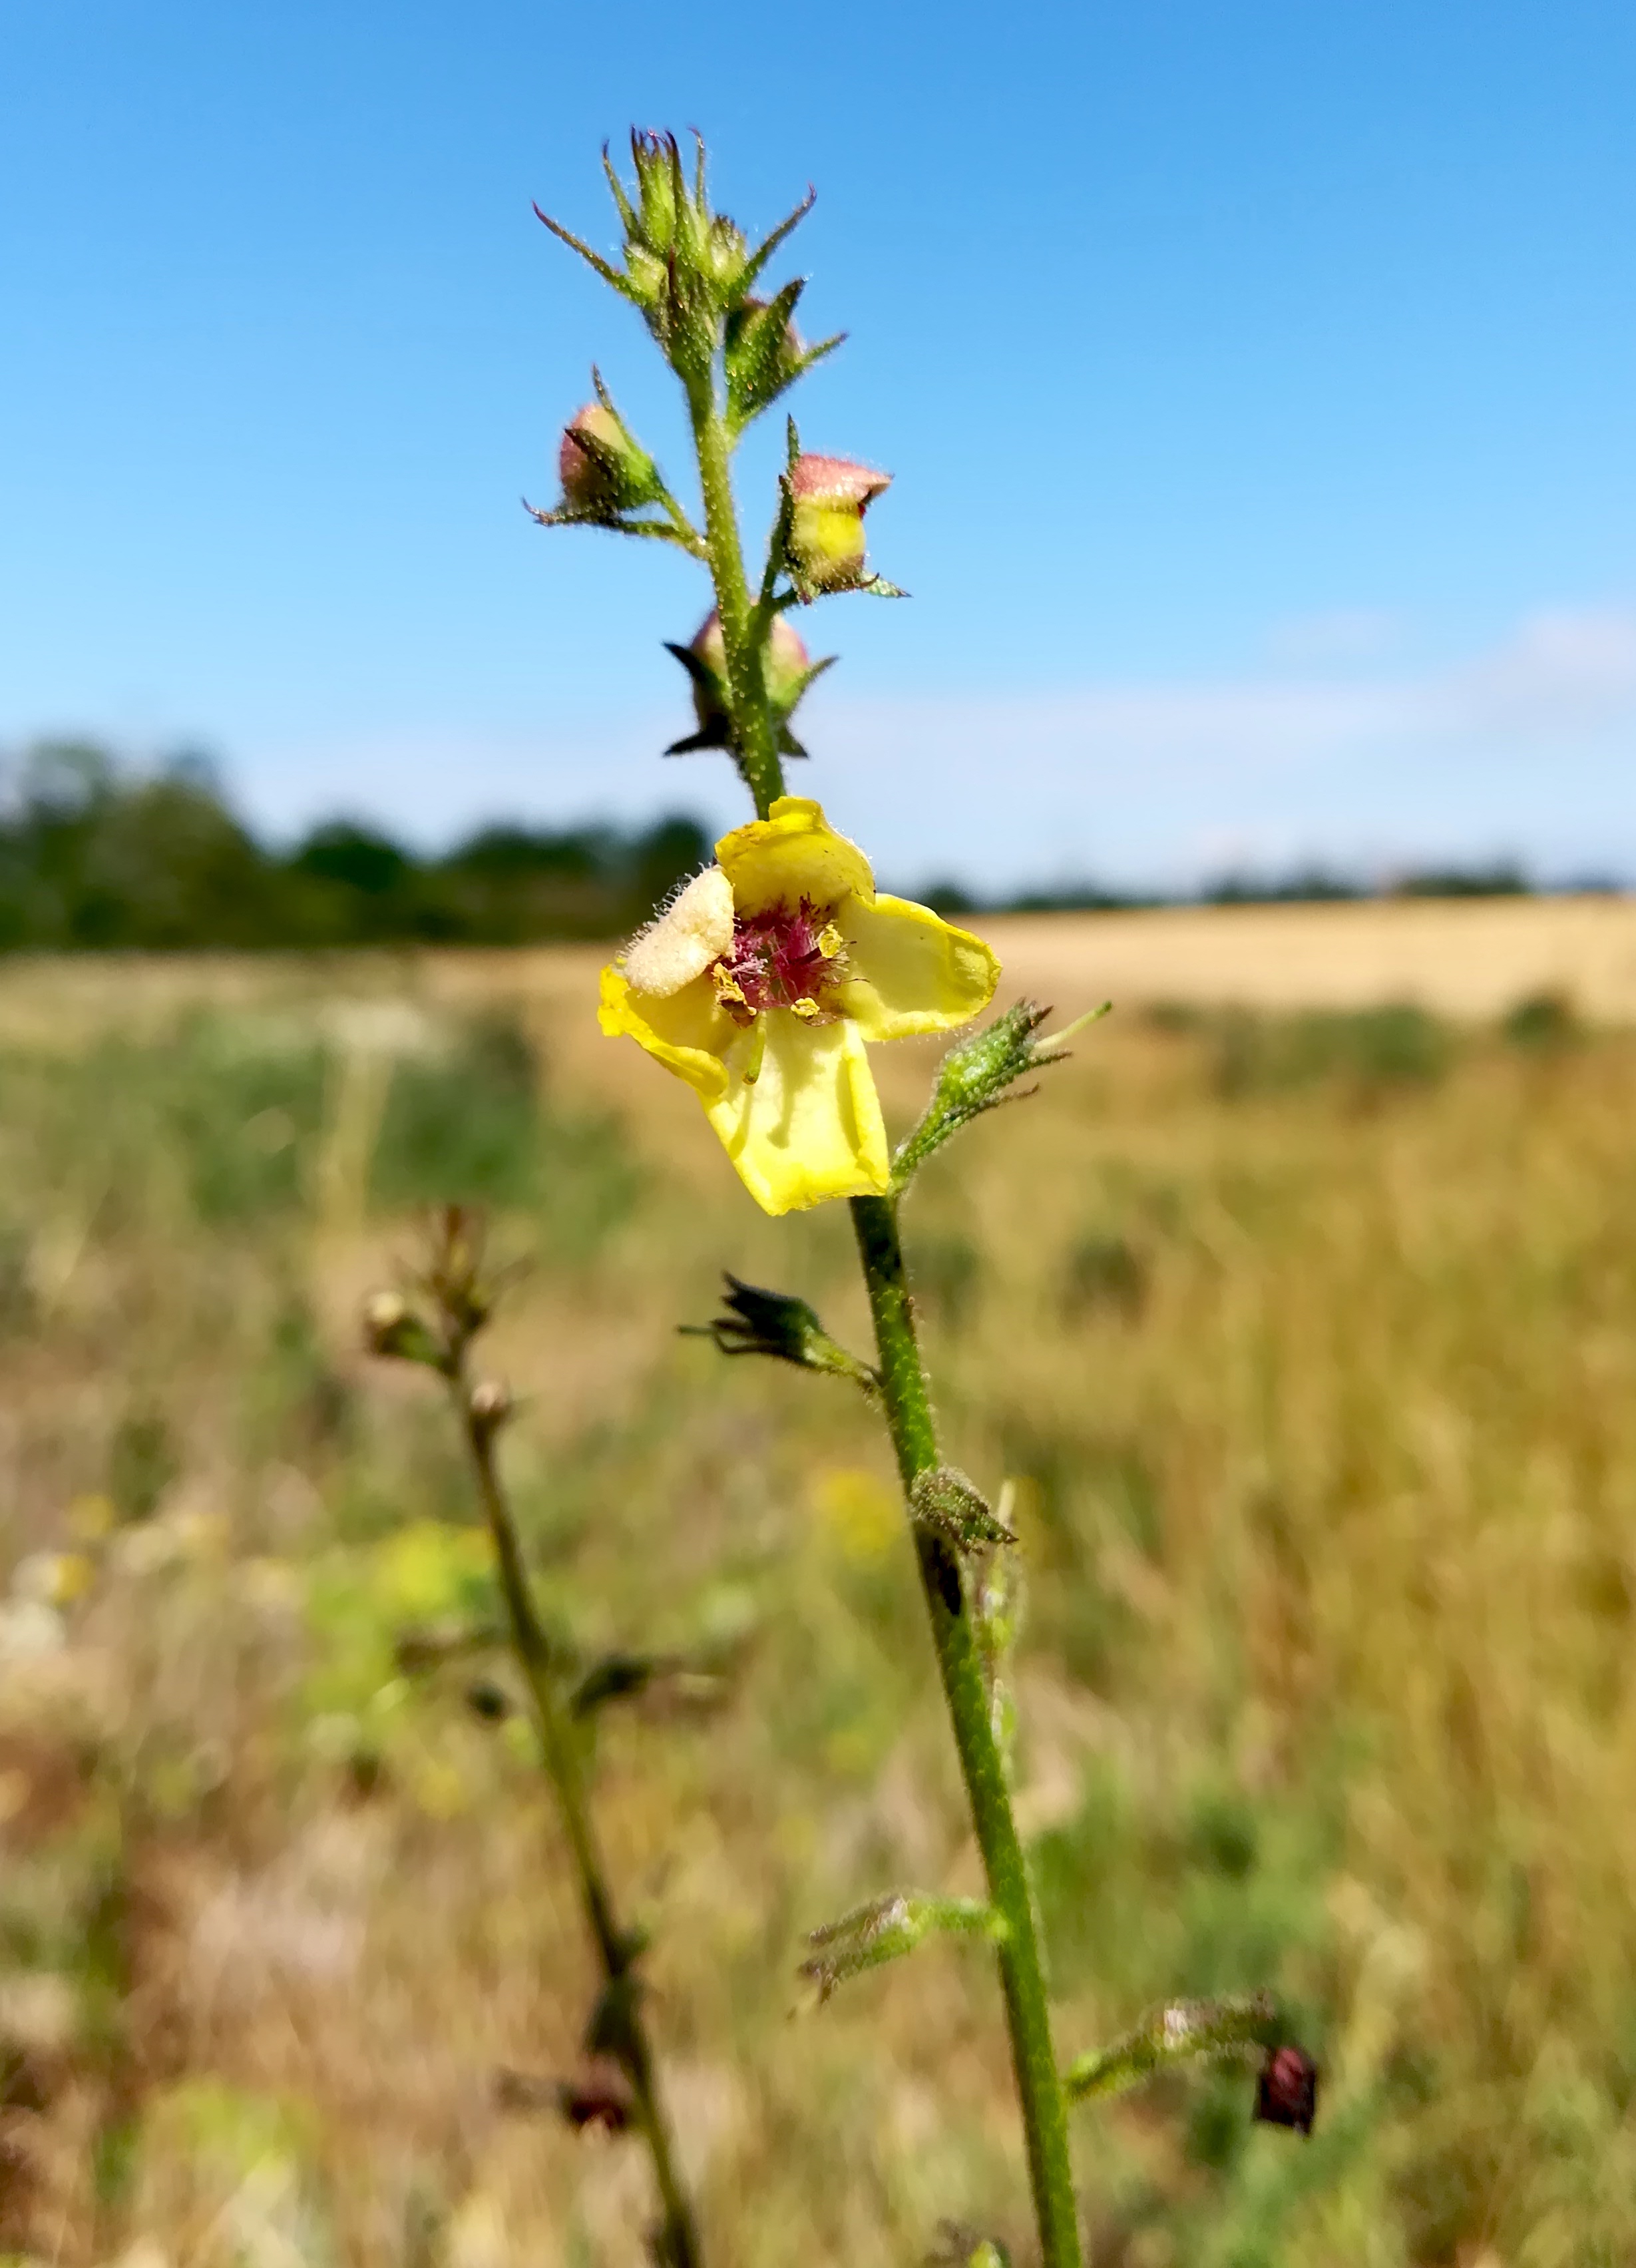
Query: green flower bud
(828, 496)
(603, 469)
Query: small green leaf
(886, 1927)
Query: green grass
(1310, 1349)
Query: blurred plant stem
(480, 1411)
(908, 1411)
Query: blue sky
(1257, 381)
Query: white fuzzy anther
(694, 929)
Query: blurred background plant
(1324, 1679)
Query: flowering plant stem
(908, 1412)
(617, 1947)
(743, 630)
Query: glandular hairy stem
(907, 1410)
(743, 628)
(616, 1947)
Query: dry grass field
(1299, 1308)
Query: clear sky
(1259, 381)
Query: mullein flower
(761, 985)
(603, 470)
(786, 671)
(828, 496)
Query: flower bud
(786, 670)
(828, 496)
(491, 1404)
(603, 469)
(392, 1328)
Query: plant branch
(559, 1753)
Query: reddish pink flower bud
(828, 498)
(601, 468)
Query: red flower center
(787, 957)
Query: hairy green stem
(914, 1438)
(616, 1948)
(743, 630)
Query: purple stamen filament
(786, 957)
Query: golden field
(1300, 1310)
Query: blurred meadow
(1307, 1340)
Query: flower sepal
(786, 674)
(783, 1328)
(765, 354)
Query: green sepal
(886, 1927)
(776, 1324)
(1238, 2029)
(661, 530)
(610, 275)
(768, 245)
(946, 1501)
(611, 2028)
(757, 358)
(977, 1076)
(872, 586)
(627, 213)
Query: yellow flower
(762, 983)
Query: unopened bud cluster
(736, 348)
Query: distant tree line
(96, 855)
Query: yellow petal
(793, 853)
(808, 1126)
(909, 970)
(687, 1032)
